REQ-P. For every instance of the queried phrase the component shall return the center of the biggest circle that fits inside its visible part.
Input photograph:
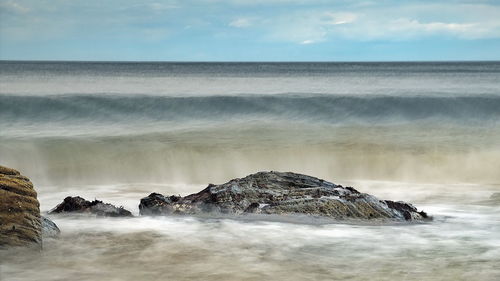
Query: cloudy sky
(250, 30)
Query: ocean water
(425, 133)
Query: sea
(427, 133)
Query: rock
(19, 210)
(157, 204)
(282, 194)
(79, 205)
(494, 199)
(49, 228)
(495, 196)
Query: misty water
(425, 133)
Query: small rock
(79, 205)
(157, 204)
(49, 228)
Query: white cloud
(299, 28)
(241, 22)
(15, 7)
(413, 27)
(341, 18)
(394, 23)
(307, 42)
(295, 21)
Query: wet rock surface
(79, 205)
(282, 193)
(20, 223)
(49, 228)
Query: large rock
(281, 193)
(20, 223)
(79, 205)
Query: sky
(249, 30)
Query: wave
(200, 160)
(105, 108)
(140, 143)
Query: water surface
(426, 133)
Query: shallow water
(461, 244)
(425, 133)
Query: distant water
(427, 133)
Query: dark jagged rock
(157, 204)
(408, 210)
(280, 194)
(19, 210)
(49, 228)
(79, 205)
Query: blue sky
(250, 30)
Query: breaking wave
(331, 109)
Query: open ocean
(426, 133)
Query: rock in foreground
(20, 223)
(280, 194)
(79, 205)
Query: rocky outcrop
(282, 194)
(20, 223)
(79, 205)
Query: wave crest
(319, 108)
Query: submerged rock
(79, 205)
(494, 199)
(281, 193)
(495, 196)
(19, 210)
(49, 228)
